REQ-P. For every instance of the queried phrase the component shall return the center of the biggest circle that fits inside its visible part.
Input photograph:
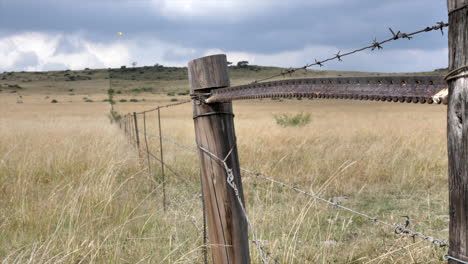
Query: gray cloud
(26, 59)
(255, 27)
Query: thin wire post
(137, 136)
(162, 160)
(147, 148)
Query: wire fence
(401, 229)
(129, 124)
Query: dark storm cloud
(268, 32)
(345, 24)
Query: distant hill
(148, 79)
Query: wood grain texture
(214, 130)
(208, 72)
(457, 132)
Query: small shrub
(54, 101)
(287, 120)
(144, 89)
(174, 100)
(171, 94)
(114, 116)
(123, 100)
(183, 93)
(106, 100)
(133, 100)
(88, 100)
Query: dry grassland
(73, 190)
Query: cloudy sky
(38, 35)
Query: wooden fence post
(162, 160)
(132, 129)
(137, 136)
(457, 129)
(214, 131)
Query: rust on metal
(415, 89)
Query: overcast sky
(69, 34)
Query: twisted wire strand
(375, 45)
(164, 106)
(230, 180)
(398, 229)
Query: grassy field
(74, 190)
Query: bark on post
(214, 130)
(457, 129)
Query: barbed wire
(164, 106)
(375, 45)
(398, 229)
(170, 140)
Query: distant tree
(229, 63)
(242, 64)
(134, 64)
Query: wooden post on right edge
(214, 131)
(457, 130)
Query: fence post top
(208, 72)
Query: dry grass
(72, 189)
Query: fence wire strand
(375, 45)
(231, 182)
(164, 106)
(398, 229)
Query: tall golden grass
(74, 190)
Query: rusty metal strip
(422, 89)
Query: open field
(73, 190)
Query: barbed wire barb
(399, 229)
(376, 44)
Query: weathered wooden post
(162, 159)
(457, 129)
(214, 131)
(137, 136)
